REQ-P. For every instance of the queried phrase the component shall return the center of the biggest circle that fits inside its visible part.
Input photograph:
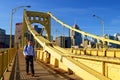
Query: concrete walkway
(42, 72)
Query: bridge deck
(42, 72)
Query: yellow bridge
(83, 63)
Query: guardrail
(6, 57)
(111, 52)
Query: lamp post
(11, 19)
(102, 22)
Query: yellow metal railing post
(56, 63)
(47, 57)
(2, 66)
(103, 68)
(7, 60)
(70, 71)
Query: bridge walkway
(42, 72)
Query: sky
(71, 12)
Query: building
(5, 39)
(2, 38)
(64, 42)
(86, 44)
(2, 35)
(67, 42)
(112, 44)
(39, 30)
(18, 33)
(93, 42)
(76, 38)
(115, 37)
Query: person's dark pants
(29, 59)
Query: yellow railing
(113, 53)
(6, 57)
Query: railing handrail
(6, 57)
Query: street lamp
(102, 22)
(11, 19)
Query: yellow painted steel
(35, 17)
(96, 64)
(6, 56)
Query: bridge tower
(35, 17)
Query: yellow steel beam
(42, 18)
(96, 58)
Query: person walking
(29, 54)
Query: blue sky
(70, 12)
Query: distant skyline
(70, 12)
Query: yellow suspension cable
(82, 32)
